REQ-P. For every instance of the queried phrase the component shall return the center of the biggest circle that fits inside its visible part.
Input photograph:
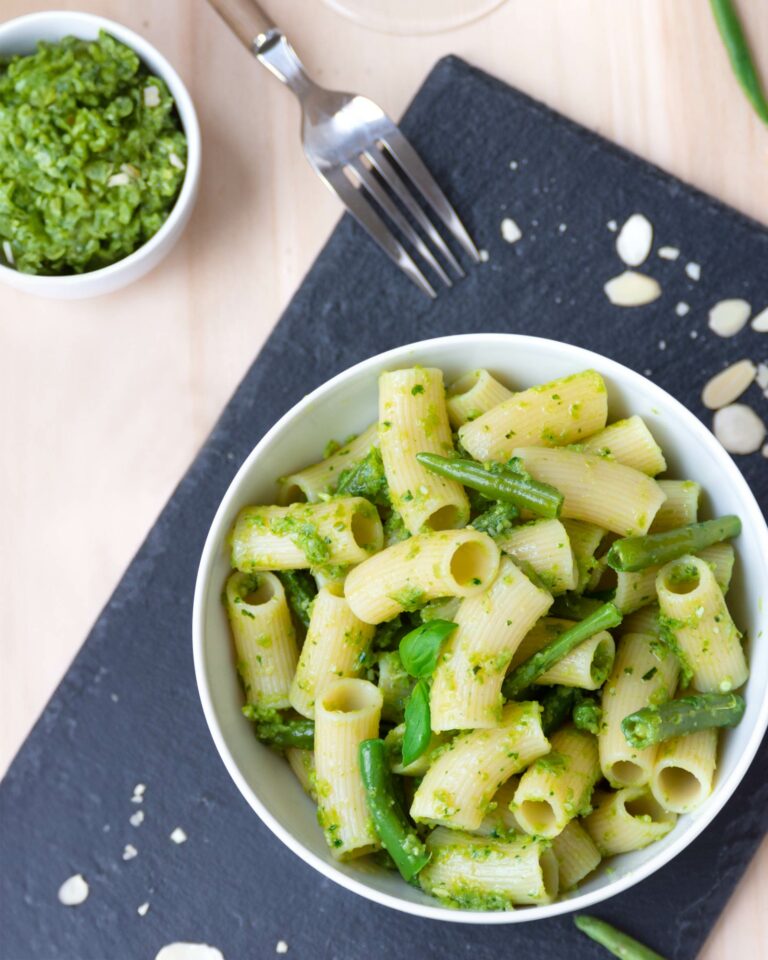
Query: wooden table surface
(103, 403)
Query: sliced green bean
(675, 718)
(529, 670)
(636, 553)
(389, 820)
(573, 606)
(619, 944)
(498, 481)
(743, 65)
(300, 591)
(281, 731)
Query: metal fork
(356, 150)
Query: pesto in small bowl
(92, 156)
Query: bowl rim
(723, 791)
(190, 127)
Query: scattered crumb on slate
(612, 226)
(484, 256)
(74, 891)
(129, 852)
(178, 835)
(510, 230)
(513, 164)
(693, 334)
(114, 697)
(682, 309)
(281, 947)
(138, 793)
(562, 227)
(142, 909)
(662, 344)
(669, 253)
(136, 819)
(693, 270)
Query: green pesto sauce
(92, 155)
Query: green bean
(675, 718)
(389, 820)
(573, 606)
(281, 731)
(300, 590)
(556, 705)
(743, 66)
(529, 670)
(498, 481)
(636, 553)
(619, 944)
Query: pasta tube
(695, 616)
(466, 690)
(584, 538)
(413, 419)
(684, 771)
(586, 666)
(453, 563)
(627, 820)
(302, 762)
(473, 395)
(544, 544)
(347, 713)
(576, 854)
(462, 781)
(321, 478)
(301, 535)
(598, 491)
(629, 442)
(558, 787)
(681, 506)
(500, 821)
(560, 412)
(639, 678)
(265, 639)
(481, 873)
(335, 646)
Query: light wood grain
(104, 403)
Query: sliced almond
(631, 289)
(634, 241)
(151, 96)
(762, 376)
(727, 317)
(175, 161)
(669, 253)
(119, 180)
(8, 253)
(510, 230)
(728, 385)
(693, 270)
(188, 951)
(760, 321)
(739, 428)
(74, 891)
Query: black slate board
(127, 711)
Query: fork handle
(246, 20)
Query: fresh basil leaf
(418, 730)
(420, 648)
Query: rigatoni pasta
(466, 678)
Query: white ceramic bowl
(21, 36)
(348, 403)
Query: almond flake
(8, 253)
(760, 322)
(189, 951)
(631, 289)
(669, 253)
(138, 793)
(281, 947)
(142, 909)
(129, 852)
(136, 819)
(762, 376)
(634, 241)
(764, 451)
(693, 270)
(727, 317)
(728, 385)
(151, 96)
(178, 836)
(739, 428)
(682, 309)
(510, 230)
(176, 161)
(118, 180)
(74, 891)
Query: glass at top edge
(409, 17)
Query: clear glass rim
(404, 17)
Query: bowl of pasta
(477, 628)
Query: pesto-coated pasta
(265, 639)
(558, 787)
(321, 478)
(639, 677)
(302, 762)
(598, 491)
(348, 712)
(681, 506)
(629, 442)
(413, 419)
(482, 873)
(586, 666)
(453, 563)
(576, 854)
(627, 820)
(684, 771)
(500, 821)
(585, 539)
(695, 614)
(335, 646)
(560, 412)
(466, 690)
(347, 530)
(544, 546)
(472, 395)
(461, 782)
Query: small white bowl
(21, 36)
(347, 404)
